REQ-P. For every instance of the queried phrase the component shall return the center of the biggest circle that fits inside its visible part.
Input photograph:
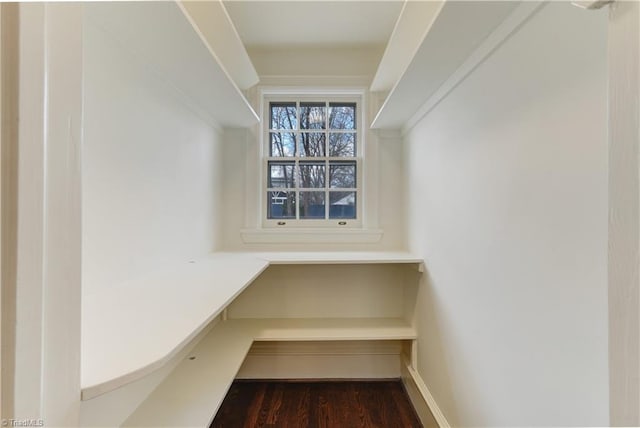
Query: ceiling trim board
(316, 81)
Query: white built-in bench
(131, 330)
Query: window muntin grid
(312, 164)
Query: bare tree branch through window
(312, 160)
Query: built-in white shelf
(165, 36)
(131, 329)
(191, 395)
(322, 329)
(213, 22)
(193, 392)
(335, 257)
(442, 51)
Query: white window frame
(312, 95)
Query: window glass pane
(342, 145)
(342, 205)
(312, 116)
(312, 204)
(312, 174)
(342, 116)
(282, 144)
(312, 144)
(283, 116)
(281, 204)
(342, 174)
(281, 175)
(311, 159)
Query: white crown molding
(318, 81)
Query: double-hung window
(313, 171)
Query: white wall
(507, 203)
(314, 67)
(151, 169)
(323, 291)
(364, 359)
(316, 61)
(384, 168)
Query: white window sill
(312, 236)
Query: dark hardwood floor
(300, 404)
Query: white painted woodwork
(152, 318)
(591, 4)
(507, 200)
(160, 33)
(368, 359)
(62, 214)
(624, 214)
(4, 203)
(423, 402)
(113, 408)
(332, 81)
(4, 200)
(191, 395)
(432, 64)
(333, 257)
(193, 392)
(311, 236)
(323, 291)
(9, 75)
(47, 305)
(30, 259)
(9, 81)
(211, 19)
(309, 329)
(147, 332)
(410, 30)
(520, 15)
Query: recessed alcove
(484, 211)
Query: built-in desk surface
(133, 328)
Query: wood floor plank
(301, 404)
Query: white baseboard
(322, 360)
(343, 360)
(426, 407)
